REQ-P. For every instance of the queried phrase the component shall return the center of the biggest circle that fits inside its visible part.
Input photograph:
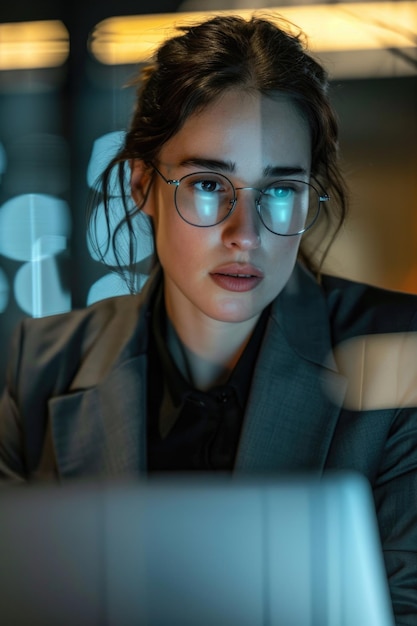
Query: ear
(140, 180)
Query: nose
(242, 227)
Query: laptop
(193, 551)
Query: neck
(207, 351)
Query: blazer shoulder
(357, 308)
(84, 324)
(52, 348)
(49, 351)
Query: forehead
(250, 130)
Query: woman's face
(229, 272)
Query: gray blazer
(75, 401)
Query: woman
(230, 358)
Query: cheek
(177, 243)
(178, 239)
(163, 217)
(282, 260)
(284, 249)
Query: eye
(280, 191)
(206, 183)
(207, 186)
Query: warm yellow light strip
(329, 27)
(31, 45)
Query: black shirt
(189, 429)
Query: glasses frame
(321, 196)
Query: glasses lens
(204, 198)
(289, 207)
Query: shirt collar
(175, 386)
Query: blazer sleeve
(12, 461)
(375, 339)
(44, 353)
(395, 491)
(382, 421)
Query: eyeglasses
(285, 207)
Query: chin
(236, 314)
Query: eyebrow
(210, 164)
(218, 165)
(284, 171)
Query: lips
(237, 277)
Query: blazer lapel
(98, 427)
(296, 393)
(101, 431)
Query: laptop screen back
(295, 551)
